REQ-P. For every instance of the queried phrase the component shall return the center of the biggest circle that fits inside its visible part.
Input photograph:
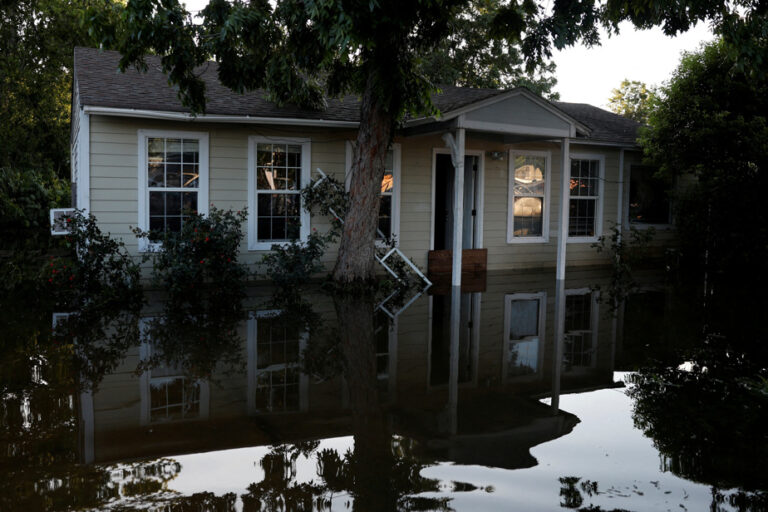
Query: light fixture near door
(495, 155)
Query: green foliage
(26, 196)
(470, 56)
(290, 266)
(706, 419)
(99, 284)
(327, 197)
(713, 124)
(198, 270)
(634, 100)
(37, 39)
(625, 253)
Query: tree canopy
(633, 99)
(37, 38)
(713, 123)
(472, 57)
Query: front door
(444, 202)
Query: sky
(589, 75)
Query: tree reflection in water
(707, 418)
(380, 473)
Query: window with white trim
(167, 392)
(279, 168)
(580, 329)
(524, 316)
(276, 383)
(528, 208)
(387, 227)
(584, 208)
(173, 179)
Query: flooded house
(502, 174)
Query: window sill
(582, 239)
(267, 246)
(649, 225)
(528, 240)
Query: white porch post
(457, 147)
(565, 195)
(562, 237)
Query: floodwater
(441, 400)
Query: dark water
(439, 401)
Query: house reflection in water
(461, 374)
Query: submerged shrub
(626, 252)
(98, 284)
(204, 283)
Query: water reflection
(417, 382)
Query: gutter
(205, 118)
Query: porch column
(457, 147)
(562, 237)
(565, 196)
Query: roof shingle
(101, 84)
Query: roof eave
(216, 118)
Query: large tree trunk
(357, 247)
(372, 461)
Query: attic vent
(59, 218)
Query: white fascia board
(184, 116)
(516, 129)
(84, 162)
(447, 116)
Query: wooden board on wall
(472, 260)
(473, 270)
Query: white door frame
(479, 194)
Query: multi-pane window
(173, 397)
(278, 187)
(648, 197)
(173, 181)
(387, 189)
(524, 315)
(578, 348)
(528, 195)
(278, 343)
(583, 208)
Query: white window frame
(253, 371)
(544, 238)
(600, 198)
(203, 178)
(145, 381)
(508, 299)
(396, 174)
(306, 166)
(594, 319)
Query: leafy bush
(205, 284)
(98, 282)
(26, 196)
(625, 252)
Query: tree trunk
(372, 457)
(357, 248)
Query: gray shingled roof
(606, 126)
(100, 84)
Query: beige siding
(114, 185)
